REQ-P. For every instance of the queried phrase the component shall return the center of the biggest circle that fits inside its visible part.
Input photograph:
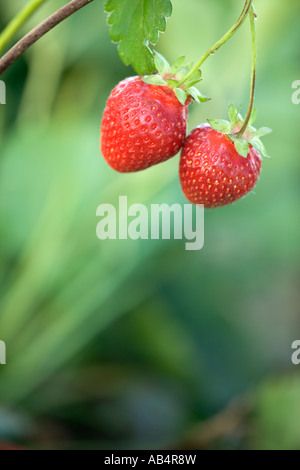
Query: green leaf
(182, 72)
(161, 64)
(242, 147)
(193, 80)
(188, 67)
(181, 95)
(135, 25)
(239, 118)
(253, 116)
(190, 84)
(172, 82)
(220, 125)
(154, 80)
(233, 113)
(258, 145)
(193, 91)
(263, 131)
(177, 64)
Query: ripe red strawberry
(212, 172)
(142, 125)
(221, 161)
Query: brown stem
(39, 31)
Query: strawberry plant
(144, 121)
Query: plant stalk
(252, 17)
(39, 31)
(17, 22)
(219, 43)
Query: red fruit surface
(212, 172)
(142, 125)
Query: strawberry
(142, 125)
(144, 122)
(218, 167)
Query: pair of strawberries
(145, 124)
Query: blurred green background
(141, 344)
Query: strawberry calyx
(172, 75)
(251, 135)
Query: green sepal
(181, 95)
(253, 116)
(220, 125)
(263, 131)
(233, 114)
(172, 82)
(251, 136)
(198, 97)
(162, 65)
(184, 70)
(177, 65)
(242, 147)
(193, 80)
(194, 95)
(171, 75)
(258, 145)
(154, 80)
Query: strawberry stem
(252, 17)
(17, 22)
(220, 43)
(39, 31)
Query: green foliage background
(128, 344)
